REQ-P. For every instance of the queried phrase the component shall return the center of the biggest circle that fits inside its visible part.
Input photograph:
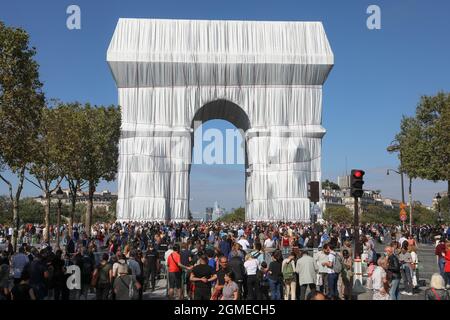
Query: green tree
(379, 214)
(424, 140)
(69, 143)
(45, 167)
(237, 216)
(21, 103)
(338, 214)
(327, 184)
(100, 139)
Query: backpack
(338, 264)
(288, 272)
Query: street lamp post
(438, 199)
(59, 195)
(394, 147)
(401, 180)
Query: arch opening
(223, 124)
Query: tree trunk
(58, 225)
(90, 208)
(15, 223)
(15, 201)
(73, 201)
(47, 217)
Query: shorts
(175, 280)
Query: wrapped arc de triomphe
(264, 77)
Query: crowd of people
(221, 261)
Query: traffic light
(313, 191)
(356, 183)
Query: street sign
(403, 217)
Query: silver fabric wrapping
(168, 70)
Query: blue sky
(379, 75)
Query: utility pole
(356, 229)
(410, 205)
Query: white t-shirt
(244, 243)
(401, 240)
(377, 278)
(268, 243)
(251, 266)
(331, 258)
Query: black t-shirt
(275, 268)
(37, 270)
(151, 258)
(185, 254)
(200, 271)
(221, 275)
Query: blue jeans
(394, 291)
(441, 264)
(275, 289)
(332, 285)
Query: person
(150, 267)
(86, 264)
(268, 243)
(306, 269)
(437, 291)
(263, 282)
(285, 243)
(18, 263)
(440, 256)
(224, 246)
(275, 275)
(186, 259)
(332, 275)
(38, 275)
(223, 269)
(251, 266)
(346, 275)
(125, 286)
(379, 281)
(4, 276)
(230, 288)
(393, 273)
(244, 242)
(289, 281)
(447, 264)
(22, 290)
(104, 276)
(202, 275)
(174, 267)
(237, 266)
(59, 278)
(322, 270)
(316, 295)
(258, 252)
(405, 269)
(70, 245)
(414, 265)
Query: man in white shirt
(244, 243)
(332, 277)
(269, 242)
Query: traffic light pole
(356, 230)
